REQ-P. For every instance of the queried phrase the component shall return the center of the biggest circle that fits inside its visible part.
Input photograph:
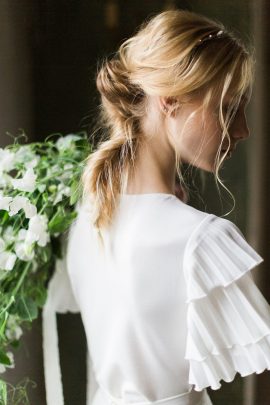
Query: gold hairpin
(211, 36)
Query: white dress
(169, 307)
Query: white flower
(66, 172)
(22, 234)
(5, 180)
(30, 210)
(68, 166)
(27, 182)
(41, 187)
(20, 202)
(6, 160)
(14, 334)
(32, 163)
(37, 230)
(35, 266)
(2, 244)
(61, 191)
(65, 142)
(13, 331)
(24, 251)
(26, 156)
(7, 259)
(52, 170)
(8, 235)
(4, 202)
(11, 358)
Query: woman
(167, 299)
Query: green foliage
(35, 212)
(4, 359)
(17, 394)
(61, 220)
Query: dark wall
(61, 42)
(68, 39)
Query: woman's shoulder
(186, 216)
(215, 229)
(207, 226)
(161, 219)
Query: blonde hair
(163, 58)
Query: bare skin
(166, 125)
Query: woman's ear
(168, 105)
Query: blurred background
(49, 51)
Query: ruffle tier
(216, 255)
(246, 360)
(228, 318)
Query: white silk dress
(169, 307)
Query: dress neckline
(149, 195)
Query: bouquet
(39, 188)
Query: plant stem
(15, 290)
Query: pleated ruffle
(246, 360)
(228, 318)
(216, 255)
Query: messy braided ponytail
(104, 177)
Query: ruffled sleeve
(228, 318)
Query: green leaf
(26, 308)
(40, 297)
(61, 221)
(3, 321)
(75, 191)
(82, 144)
(4, 216)
(3, 392)
(44, 253)
(57, 247)
(4, 359)
(15, 344)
